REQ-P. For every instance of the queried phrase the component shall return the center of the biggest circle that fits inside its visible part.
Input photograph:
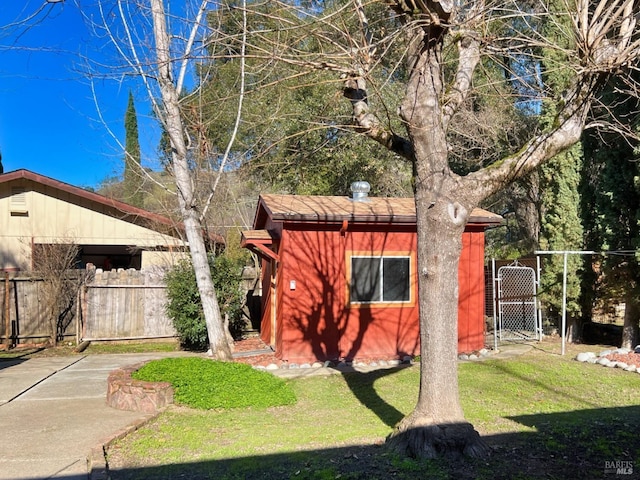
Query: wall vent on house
(18, 204)
(360, 191)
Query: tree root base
(450, 440)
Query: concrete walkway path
(53, 412)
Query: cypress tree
(133, 175)
(560, 220)
(611, 198)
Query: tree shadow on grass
(581, 444)
(362, 387)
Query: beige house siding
(35, 213)
(153, 258)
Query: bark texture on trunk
(174, 127)
(630, 327)
(437, 425)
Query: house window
(380, 279)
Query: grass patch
(69, 349)
(545, 417)
(207, 384)
(138, 347)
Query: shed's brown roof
(333, 208)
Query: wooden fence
(23, 310)
(125, 305)
(111, 305)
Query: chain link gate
(517, 306)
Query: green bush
(206, 384)
(184, 306)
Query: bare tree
(173, 124)
(448, 46)
(158, 47)
(55, 263)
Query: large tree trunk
(437, 425)
(444, 200)
(193, 228)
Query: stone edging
(601, 359)
(348, 364)
(125, 393)
(97, 467)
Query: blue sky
(49, 122)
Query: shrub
(206, 384)
(184, 306)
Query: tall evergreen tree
(559, 203)
(561, 229)
(133, 175)
(611, 202)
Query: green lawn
(69, 349)
(545, 416)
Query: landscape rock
(585, 356)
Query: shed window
(380, 279)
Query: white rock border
(479, 355)
(348, 365)
(338, 365)
(600, 359)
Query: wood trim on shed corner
(258, 241)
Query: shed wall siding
(314, 319)
(471, 293)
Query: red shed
(339, 277)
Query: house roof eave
(129, 210)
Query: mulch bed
(628, 358)
(254, 344)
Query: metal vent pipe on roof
(360, 191)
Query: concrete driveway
(53, 413)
